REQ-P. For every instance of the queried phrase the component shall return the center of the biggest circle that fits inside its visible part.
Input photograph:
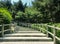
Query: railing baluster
(47, 30)
(34, 26)
(40, 27)
(2, 30)
(54, 36)
(10, 28)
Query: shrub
(5, 15)
(20, 16)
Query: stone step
(22, 42)
(25, 39)
(27, 31)
(26, 35)
(20, 28)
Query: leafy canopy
(5, 15)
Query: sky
(29, 2)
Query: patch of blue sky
(29, 2)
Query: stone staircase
(26, 36)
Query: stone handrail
(11, 27)
(48, 32)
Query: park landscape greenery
(41, 11)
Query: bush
(5, 15)
(20, 16)
(33, 15)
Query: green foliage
(49, 8)
(19, 6)
(16, 7)
(33, 15)
(20, 13)
(19, 16)
(5, 15)
(30, 15)
(6, 4)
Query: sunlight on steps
(28, 36)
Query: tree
(2, 3)
(49, 9)
(19, 6)
(31, 15)
(20, 16)
(6, 4)
(40, 5)
(5, 16)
